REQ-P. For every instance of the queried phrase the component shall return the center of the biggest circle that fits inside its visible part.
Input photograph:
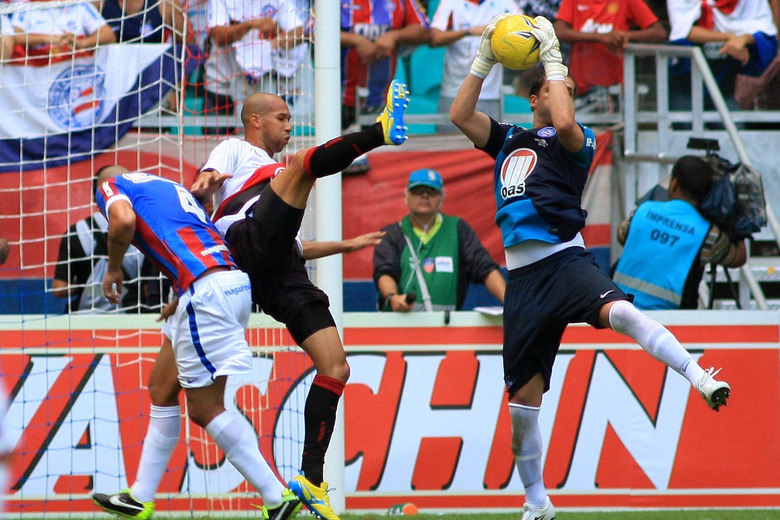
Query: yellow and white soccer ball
(513, 44)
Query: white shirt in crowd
(456, 15)
(251, 55)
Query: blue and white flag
(71, 110)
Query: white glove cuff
(555, 71)
(480, 67)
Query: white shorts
(208, 329)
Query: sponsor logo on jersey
(547, 131)
(75, 96)
(515, 170)
(214, 249)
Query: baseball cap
(425, 177)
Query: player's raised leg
(656, 339)
(294, 184)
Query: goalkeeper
(553, 281)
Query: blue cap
(425, 177)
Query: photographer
(668, 243)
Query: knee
(298, 162)
(164, 393)
(336, 370)
(342, 371)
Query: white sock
(237, 439)
(159, 443)
(527, 449)
(655, 339)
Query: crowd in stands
(250, 46)
(255, 46)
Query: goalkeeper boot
(538, 513)
(314, 497)
(713, 391)
(287, 509)
(392, 117)
(124, 505)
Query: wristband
(556, 78)
(388, 298)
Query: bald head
(259, 103)
(105, 173)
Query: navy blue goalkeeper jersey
(538, 183)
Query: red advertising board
(426, 419)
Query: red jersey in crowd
(593, 64)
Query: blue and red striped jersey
(171, 228)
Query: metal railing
(701, 77)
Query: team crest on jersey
(547, 131)
(515, 170)
(428, 265)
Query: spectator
(738, 38)
(458, 24)
(5, 250)
(432, 254)
(152, 21)
(371, 33)
(144, 21)
(6, 38)
(678, 239)
(598, 32)
(249, 40)
(83, 259)
(59, 30)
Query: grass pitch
(761, 514)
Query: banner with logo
(425, 417)
(68, 111)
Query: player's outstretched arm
(313, 250)
(121, 228)
(561, 88)
(463, 112)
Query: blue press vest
(663, 242)
(539, 184)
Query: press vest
(438, 259)
(664, 241)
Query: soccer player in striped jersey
(163, 220)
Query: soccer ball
(513, 44)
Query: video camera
(736, 200)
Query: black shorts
(541, 300)
(263, 246)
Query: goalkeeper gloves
(485, 60)
(550, 50)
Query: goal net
(82, 88)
